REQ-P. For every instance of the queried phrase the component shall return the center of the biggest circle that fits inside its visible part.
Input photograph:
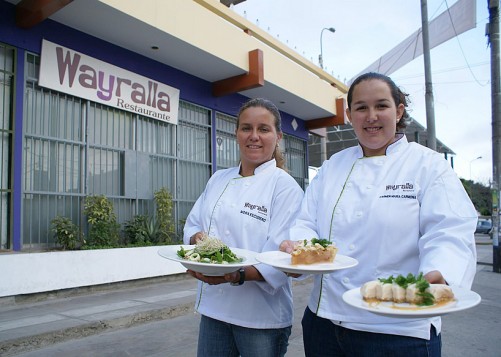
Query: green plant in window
(66, 233)
(164, 217)
(103, 228)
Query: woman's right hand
(287, 246)
(196, 237)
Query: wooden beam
(32, 12)
(253, 79)
(338, 119)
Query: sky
(366, 30)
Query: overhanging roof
(119, 22)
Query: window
(227, 153)
(75, 148)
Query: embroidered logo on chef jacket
(259, 212)
(404, 191)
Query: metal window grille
(226, 141)
(74, 148)
(193, 156)
(295, 158)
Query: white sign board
(71, 72)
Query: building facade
(60, 145)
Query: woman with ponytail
(251, 206)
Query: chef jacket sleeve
(447, 224)
(286, 202)
(305, 225)
(194, 221)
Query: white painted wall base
(28, 273)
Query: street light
(478, 158)
(323, 139)
(320, 57)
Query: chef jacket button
(346, 280)
(219, 203)
(369, 187)
(348, 184)
(232, 205)
(359, 214)
(352, 246)
(227, 232)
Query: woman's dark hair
(399, 97)
(269, 106)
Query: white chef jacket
(253, 213)
(403, 212)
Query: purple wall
(192, 89)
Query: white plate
(282, 261)
(463, 299)
(209, 269)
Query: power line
(446, 70)
(460, 46)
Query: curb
(34, 342)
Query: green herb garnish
(209, 250)
(388, 280)
(323, 242)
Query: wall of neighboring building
(196, 97)
(54, 141)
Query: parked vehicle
(484, 226)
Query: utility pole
(430, 111)
(493, 33)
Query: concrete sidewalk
(35, 323)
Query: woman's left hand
(435, 277)
(215, 280)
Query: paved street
(473, 332)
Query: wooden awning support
(334, 120)
(253, 79)
(31, 12)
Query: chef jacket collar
(393, 147)
(263, 167)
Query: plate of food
(209, 256)
(410, 296)
(315, 256)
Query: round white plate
(209, 269)
(282, 261)
(464, 299)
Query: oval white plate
(464, 299)
(282, 261)
(209, 269)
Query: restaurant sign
(74, 73)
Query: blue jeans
(220, 339)
(323, 338)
